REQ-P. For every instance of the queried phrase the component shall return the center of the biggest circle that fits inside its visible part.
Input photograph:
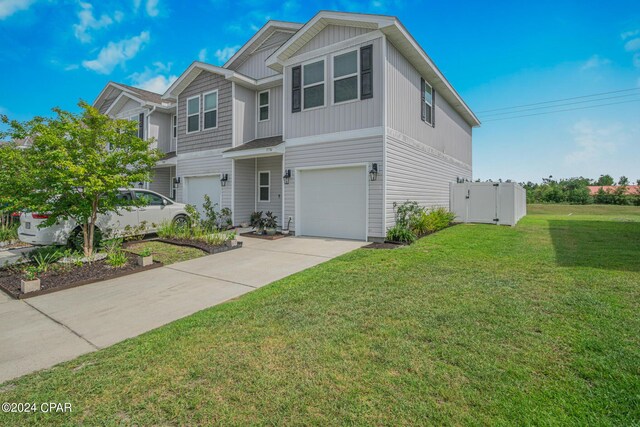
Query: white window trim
(429, 120)
(260, 186)
(323, 82)
(356, 74)
(189, 115)
(174, 126)
(268, 105)
(204, 95)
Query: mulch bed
(383, 245)
(59, 279)
(200, 245)
(264, 236)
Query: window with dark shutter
(296, 89)
(366, 72)
(141, 125)
(433, 109)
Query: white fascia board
(120, 98)
(256, 152)
(196, 68)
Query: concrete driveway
(42, 331)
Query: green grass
(477, 324)
(166, 253)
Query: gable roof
(138, 94)
(630, 189)
(395, 32)
(258, 39)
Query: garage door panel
(333, 202)
(198, 186)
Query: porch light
(140, 184)
(176, 180)
(286, 176)
(373, 173)
(223, 179)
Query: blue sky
(496, 54)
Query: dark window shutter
(423, 106)
(366, 72)
(296, 89)
(433, 107)
(141, 126)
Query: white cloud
(594, 62)
(71, 67)
(154, 79)
(202, 55)
(117, 53)
(628, 34)
(152, 7)
(632, 45)
(9, 7)
(89, 22)
(593, 141)
(223, 55)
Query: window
(427, 102)
(264, 180)
(124, 198)
(263, 106)
(193, 114)
(211, 110)
(174, 120)
(150, 198)
(313, 85)
(139, 119)
(345, 77)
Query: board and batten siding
(272, 164)
(255, 67)
(417, 172)
(451, 134)
(244, 114)
(209, 139)
(245, 190)
(345, 152)
(360, 114)
(204, 163)
(273, 126)
(332, 34)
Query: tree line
(576, 191)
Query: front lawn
(166, 253)
(476, 324)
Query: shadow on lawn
(610, 245)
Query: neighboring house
(327, 124)
(156, 119)
(630, 189)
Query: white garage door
(198, 186)
(333, 202)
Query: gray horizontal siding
(413, 172)
(342, 117)
(244, 114)
(451, 134)
(273, 126)
(210, 138)
(161, 181)
(332, 34)
(205, 164)
(369, 150)
(272, 164)
(245, 189)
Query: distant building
(631, 189)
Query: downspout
(148, 131)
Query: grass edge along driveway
(477, 324)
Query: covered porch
(258, 179)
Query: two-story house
(327, 124)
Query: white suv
(158, 210)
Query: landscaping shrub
(117, 258)
(43, 257)
(413, 221)
(401, 234)
(8, 232)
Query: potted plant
(31, 282)
(257, 222)
(270, 223)
(145, 257)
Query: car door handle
(141, 209)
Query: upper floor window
(313, 85)
(139, 119)
(174, 123)
(193, 114)
(263, 106)
(427, 112)
(211, 110)
(345, 77)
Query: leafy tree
(605, 180)
(75, 166)
(623, 180)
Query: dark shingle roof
(271, 141)
(144, 94)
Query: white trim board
(336, 136)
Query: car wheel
(181, 221)
(76, 240)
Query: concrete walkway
(40, 332)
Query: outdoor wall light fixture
(223, 179)
(176, 180)
(286, 176)
(373, 173)
(140, 184)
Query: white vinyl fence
(501, 203)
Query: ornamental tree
(74, 166)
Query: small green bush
(117, 258)
(43, 257)
(8, 232)
(400, 234)
(434, 220)
(145, 252)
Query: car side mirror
(164, 202)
